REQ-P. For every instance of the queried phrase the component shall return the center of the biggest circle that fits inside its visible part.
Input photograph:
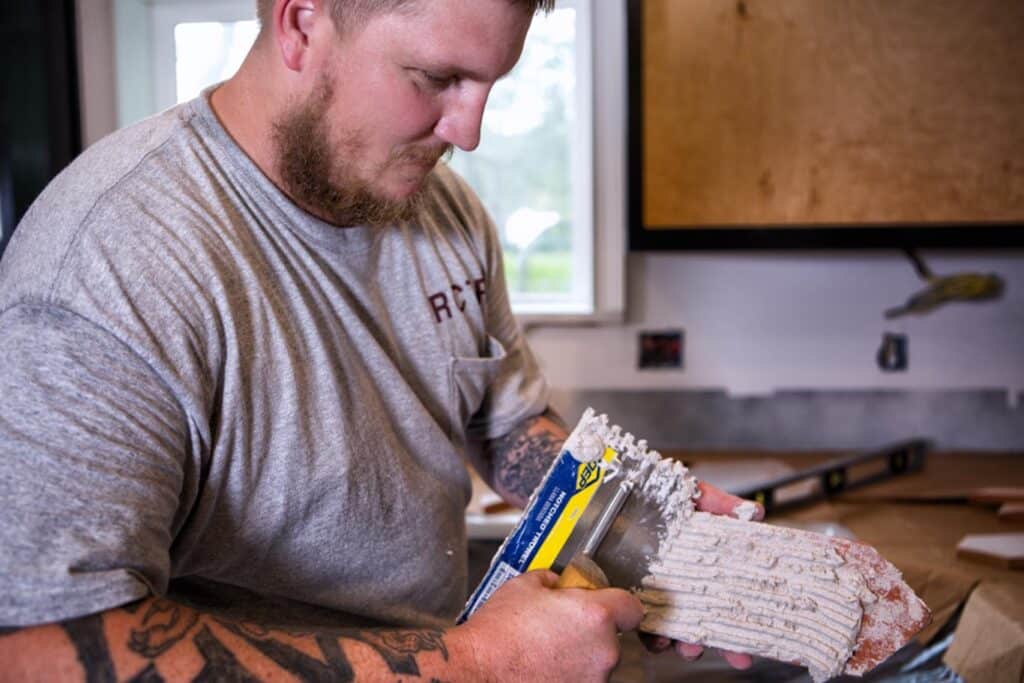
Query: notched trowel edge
(596, 461)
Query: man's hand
(531, 631)
(716, 501)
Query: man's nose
(461, 121)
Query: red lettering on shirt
(439, 302)
(457, 297)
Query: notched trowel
(599, 515)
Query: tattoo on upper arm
(521, 458)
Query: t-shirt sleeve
(519, 390)
(92, 446)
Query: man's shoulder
(114, 194)
(104, 168)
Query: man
(235, 424)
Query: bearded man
(249, 346)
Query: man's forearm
(520, 459)
(159, 640)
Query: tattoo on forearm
(304, 667)
(331, 649)
(398, 649)
(521, 459)
(148, 675)
(133, 607)
(221, 663)
(164, 624)
(90, 643)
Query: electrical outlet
(661, 349)
(894, 353)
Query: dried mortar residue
(745, 511)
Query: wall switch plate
(894, 353)
(661, 349)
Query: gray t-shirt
(202, 384)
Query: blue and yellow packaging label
(545, 526)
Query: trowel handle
(582, 572)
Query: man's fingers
(689, 651)
(622, 606)
(737, 660)
(655, 643)
(544, 577)
(716, 501)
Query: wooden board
(802, 112)
(996, 495)
(1001, 550)
(1011, 512)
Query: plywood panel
(796, 112)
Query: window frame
(164, 15)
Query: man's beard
(321, 176)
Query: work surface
(915, 521)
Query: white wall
(756, 322)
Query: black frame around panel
(40, 122)
(7, 213)
(860, 236)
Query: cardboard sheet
(989, 642)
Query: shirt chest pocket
(469, 379)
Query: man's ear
(293, 22)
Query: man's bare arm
(159, 640)
(527, 631)
(520, 459)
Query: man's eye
(438, 80)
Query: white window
(534, 169)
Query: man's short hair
(348, 13)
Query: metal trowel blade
(625, 551)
